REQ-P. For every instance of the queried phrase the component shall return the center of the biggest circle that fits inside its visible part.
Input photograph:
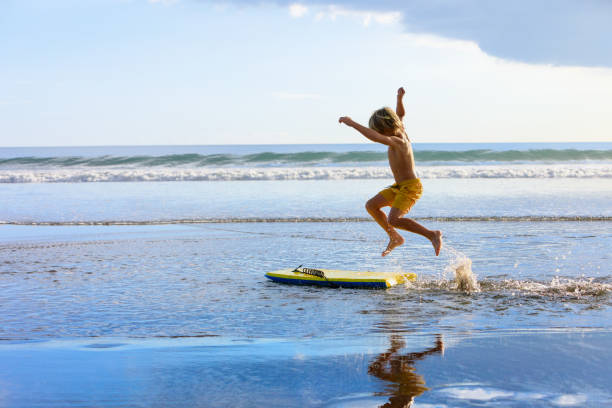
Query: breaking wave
(106, 174)
(310, 157)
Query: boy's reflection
(399, 369)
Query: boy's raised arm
(399, 109)
(367, 132)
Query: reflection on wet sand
(398, 369)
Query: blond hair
(385, 121)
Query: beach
(135, 277)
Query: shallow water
(182, 315)
(195, 280)
(147, 202)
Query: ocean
(134, 276)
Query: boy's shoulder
(402, 137)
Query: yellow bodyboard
(339, 278)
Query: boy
(386, 127)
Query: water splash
(558, 287)
(461, 267)
(457, 275)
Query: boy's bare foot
(395, 240)
(437, 241)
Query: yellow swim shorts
(403, 195)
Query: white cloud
(295, 96)
(436, 42)
(297, 10)
(579, 33)
(332, 12)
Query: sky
(159, 72)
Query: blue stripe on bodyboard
(363, 285)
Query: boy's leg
(374, 206)
(395, 219)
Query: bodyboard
(339, 278)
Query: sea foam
(114, 174)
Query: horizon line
(292, 144)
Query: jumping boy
(386, 127)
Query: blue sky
(112, 72)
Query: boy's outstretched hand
(400, 93)
(346, 120)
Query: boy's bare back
(401, 158)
